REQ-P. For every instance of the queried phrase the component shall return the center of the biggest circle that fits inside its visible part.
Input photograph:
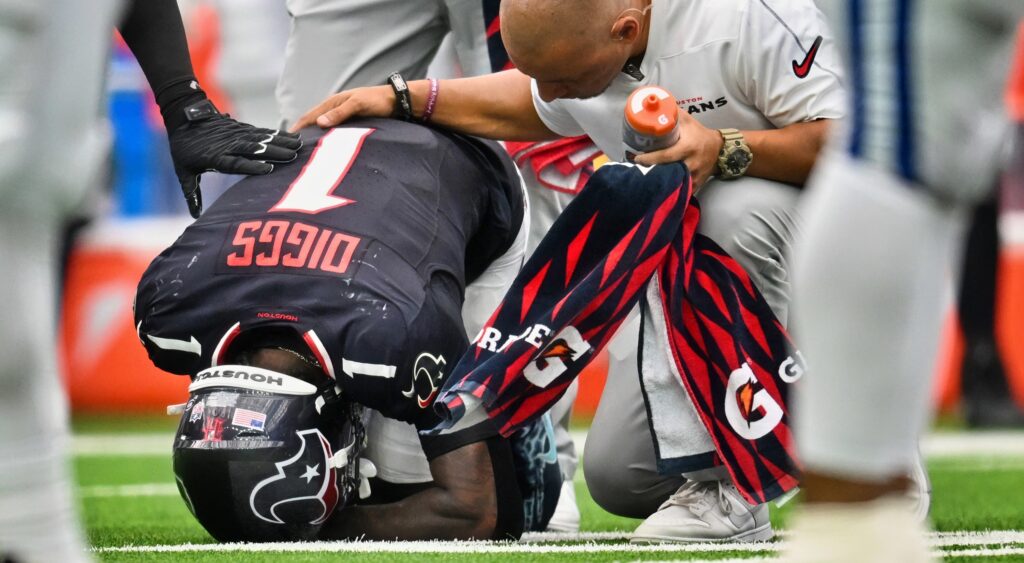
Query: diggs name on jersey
(290, 244)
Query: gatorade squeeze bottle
(651, 121)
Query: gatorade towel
(629, 224)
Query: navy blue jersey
(364, 245)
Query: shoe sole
(761, 533)
(563, 529)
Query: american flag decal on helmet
(628, 225)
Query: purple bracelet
(431, 101)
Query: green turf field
(129, 505)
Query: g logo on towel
(742, 401)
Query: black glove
(211, 141)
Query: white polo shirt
(729, 63)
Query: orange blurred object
(105, 366)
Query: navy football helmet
(263, 456)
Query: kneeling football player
(318, 310)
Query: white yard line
(138, 490)
(1001, 542)
(122, 444)
(990, 444)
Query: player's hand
(214, 142)
(697, 147)
(372, 101)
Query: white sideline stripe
(122, 444)
(937, 540)
(992, 444)
(981, 552)
(139, 490)
(998, 537)
(540, 537)
(443, 547)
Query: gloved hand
(211, 141)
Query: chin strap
(367, 469)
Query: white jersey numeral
(312, 191)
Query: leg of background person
(52, 55)
(254, 34)
(987, 400)
(339, 44)
(860, 416)
(37, 515)
(870, 275)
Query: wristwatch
(735, 156)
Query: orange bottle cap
(651, 110)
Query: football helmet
(263, 456)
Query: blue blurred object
(144, 181)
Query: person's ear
(626, 27)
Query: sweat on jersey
(364, 245)
(631, 224)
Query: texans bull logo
(305, 484)
(427, 374)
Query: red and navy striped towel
(627, 225)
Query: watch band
(403, 100)
(731, 135)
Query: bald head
(531, 26)
(573, 48)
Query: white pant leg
(52, 55)
(335, 45)
(883, 222)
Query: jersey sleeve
(787, 62)
(554, 115)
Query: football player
(926, 138)
(346, 280)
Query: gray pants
(340, 44)
(755, 222)
(53, 56)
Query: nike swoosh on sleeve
(192, 346)
(801, 69)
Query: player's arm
(201, 138)
(494, 106)
(786, 154)
(474, 495)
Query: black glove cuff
(176, 98)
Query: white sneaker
(566, 518)
(920, 494)
(702, 511)
(884, 529)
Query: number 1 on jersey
(331, 160)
